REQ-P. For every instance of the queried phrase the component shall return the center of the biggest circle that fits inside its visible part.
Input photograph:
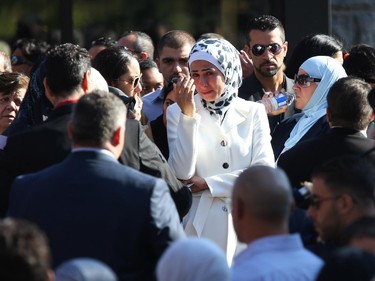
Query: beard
(267, 72)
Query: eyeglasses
(134, 82)
(316, 202)
(15, 60)
(259, 49)
(305, 80)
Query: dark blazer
(48, 143)
(283, 130)
(251, 89)
(159, 133)
(299, 161)
(90, 205)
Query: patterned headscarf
(225, 57)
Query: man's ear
(48, 92)
(329, 116)
(86, 81)
(116, 138)
(345, 203)
(143, 56)
(69, 128)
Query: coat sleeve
(165, 225)
(182, 130)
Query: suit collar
(61, 111)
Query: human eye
(4, 100)
(184, 61)
(168, 61)
(194, 75)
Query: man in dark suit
(349, 113)
(90, 205)
(67, 78)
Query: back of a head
(96, 117)
(65, 67)
(348, 264)
(143, 43)
(32, 49)
(266, 192)
(264, 23)
(352, 175)
(193, 259)
(310, 46)
(84, 269)
(24, 252)
(112, 63)
(175, 39)
(360, 62)
(348, 104)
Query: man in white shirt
(261, 202)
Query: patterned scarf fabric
(225, 57)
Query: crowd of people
(128, 162)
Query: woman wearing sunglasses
(120, 68)
(213, 136)
(312, 83)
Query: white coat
(203, 147)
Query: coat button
(225, 165)
(223, 143)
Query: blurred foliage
(95, 18)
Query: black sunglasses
(259, 49)
(15, 60)
(305, 80)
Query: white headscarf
(225, 57)
(193, 259)
(329, 70)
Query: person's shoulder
(151, 96)
(246, 106)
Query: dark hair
(348, 264)
(147, 64)
(360, 228)
(264, 23)
(32, 49)
(96, 117)
(12, 81)
(348, 104)
(310, 46)
(104, 41)
(167, 89)
(360, 61)
(113, 62)
(143, 43)
(66, 66)
(210, 35)
(352, 175)
(175, 39)
(24, 251)
(371, 98)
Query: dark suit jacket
(252, 90)
(300, 160)
(283, 130)
(48, 143)
(90, 205)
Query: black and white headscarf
(225, 57)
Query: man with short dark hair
(266, 47)
(24, 252)
(90, 205)
(261, 204)
(343, 190)
(173, 52)
(139, 43)
(349, 114)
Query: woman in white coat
(213, 137)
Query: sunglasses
(134, 82)
(15, 60)
(259, 49)
(315, 203)
(305, 80)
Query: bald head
(261, 203)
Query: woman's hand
(247, 64)
(184, 90)
(197, 184)
(138, 107)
